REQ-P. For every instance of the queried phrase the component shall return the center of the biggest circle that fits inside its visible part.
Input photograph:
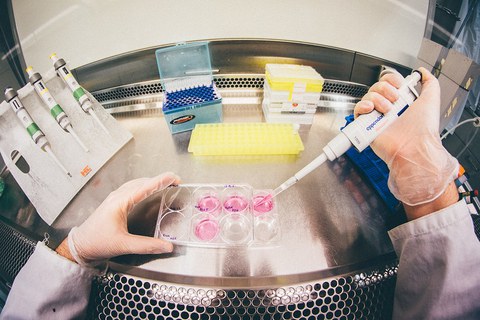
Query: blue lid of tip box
(191, 96)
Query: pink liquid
(262, 204)
(206, 229)
(208, 204)
(235, 204)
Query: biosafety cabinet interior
(331, 258)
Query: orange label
(85, 171)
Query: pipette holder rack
(48, 188)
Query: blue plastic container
(190, 96)
(375, 170)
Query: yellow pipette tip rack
(245, 139)
(293, 78)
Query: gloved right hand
(420, 167)
(105, 234)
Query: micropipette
(33, 130)
(360, 133)
(55, 110)
(78, 93)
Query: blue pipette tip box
(191, 96)
(375, 170)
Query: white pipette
(32, 128)
(55, 110)
(360, 133)
(78, 92)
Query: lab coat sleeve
(439, 269)
(49, 286)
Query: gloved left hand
(104, 234)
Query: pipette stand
(49, 189)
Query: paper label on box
(296, 107)
(299, 87)
(299, 97)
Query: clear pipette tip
(318, 161)
(94, 115)
(284, 186)
(265, 199)
(70, 130)
(52, 155)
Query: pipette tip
(287, 184)
(52, 155)
(265, 199)
(70, 130)
(94, 115)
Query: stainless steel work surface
(329, 219)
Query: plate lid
(184, 65)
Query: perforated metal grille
(345, 88)
(128, 92)
(15, 249)
(152, 88)
(155, 87)
(239, 82)
(366, 295)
